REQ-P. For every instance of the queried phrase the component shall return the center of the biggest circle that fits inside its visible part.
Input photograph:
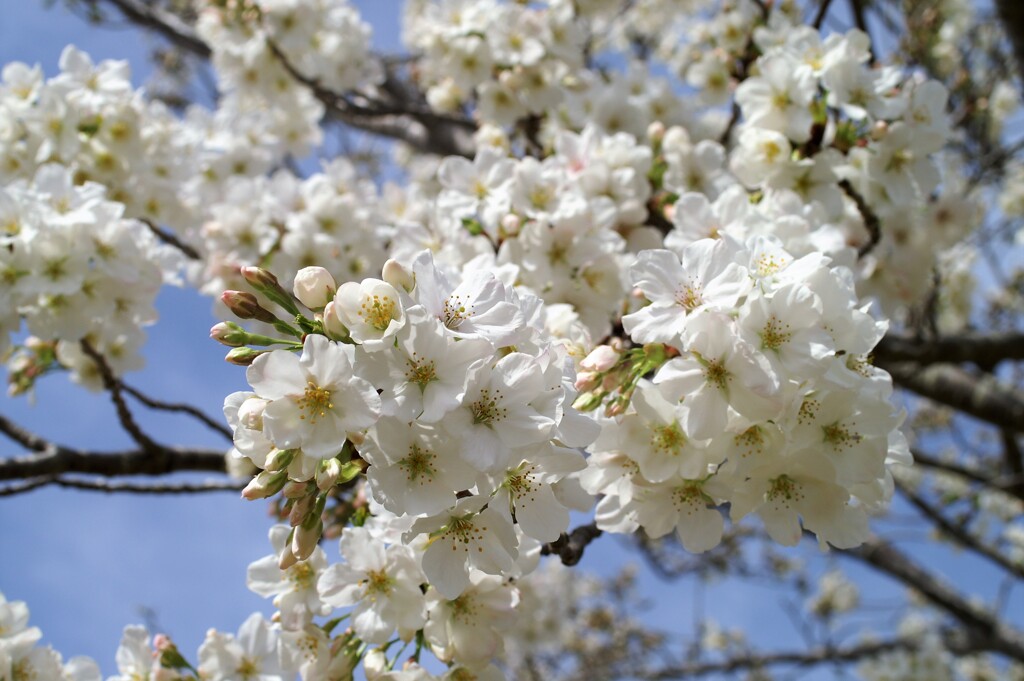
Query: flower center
(420, 372)
(689, 297)
(455, 312)
(840, 437)
(774, 334)
(378, 583)
(316, 402)
(486, 409)
(716, 374)
(377, 311)
(419, 463)
(248, 669)
(301, 575)
(785, 490)
(668, 439)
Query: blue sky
(86, 562)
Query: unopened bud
(602, 358)
(279, 460)
(295, 490)
(242, 357)
(287, 557)
(225, 333)
(587, 380)
(245, 306)
(306, 536)
(880, 130)
(300, 510)
(266, 484)
(333, 325)
(588, 401)
(250, 413)
(314, 287)
(266, 283)
(327, 474)
(656, 132)
(510, 224)
(398, 276)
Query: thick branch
(110, 487)
(982, 397)
(570, 547)
(985, 350)
(871, 221)
(959, 534)
(63, 460)
(807, 658)
(984, 630)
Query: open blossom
(315, 400)
(370, 310)
(253, 654)
(382, 583)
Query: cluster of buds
(610, 373)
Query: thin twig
(178, 407)
(113, 386)
(819, 18)
(171, 240)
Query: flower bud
(306, 536)
(397, 275)
(250, 413)
(510, 224)
(245, 306)
(295, 490)
(587, 380)
(656, 132)
(225, 335)
(327, 474)
(602, 358)
(314, 287)
(287, 557)
(266, 484)
(267, 284)
(333, 325)
(279, 459)
(242, 357)
(300, 510)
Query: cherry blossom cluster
(73, 267)
(22, 658)
(770, 404)
(450, 388)
(89, 119)
(262, 48)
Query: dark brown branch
(26, 439)
(1011, 12)
(806, 658)
(819, 18)
(113, 386)
(871, 221)
(165, 23)
(985, 350)
(959, 534)
(110, 487)
(171, 240)
(569, 547)
(982, 397)
(984, 630)
(61, 460)
(179, 408)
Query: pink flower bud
(398, 276)
(162, 642)
(333, 325)
(266, 484)
(587, 380)
(245, 306)
(602, 358)
(224, 334)
(328, 474)
(314, 287)
(510, 224)
(305, 538)
(656, 132)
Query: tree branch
(179, 407)
(985, 350)
(983, 397)
(959, 534)
(871, 220)
(164, 23)
(171, 240)
(113, 386)
(984, 630)
(569, 547)
(110, 487)
(62, 460)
